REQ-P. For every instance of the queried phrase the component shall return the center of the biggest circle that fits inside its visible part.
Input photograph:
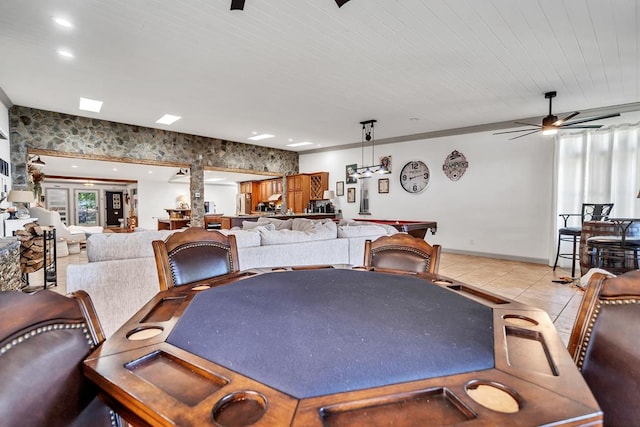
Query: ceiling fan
(239, 4)
(551, 124)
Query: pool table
(414, 228)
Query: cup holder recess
(240, 408)
(144, 333)
(494, 396)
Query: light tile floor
(524, 282)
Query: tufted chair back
(401, 252)
(194, 255)
(44, 338)
(605, 344)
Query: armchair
(52, 219)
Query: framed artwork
(383, 185)
(340, 188)
(351, 195)
(385, 161)
(350, 169)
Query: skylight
(168, 119)
(92, 105)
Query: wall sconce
(368, 171)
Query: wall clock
(414, 177)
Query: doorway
(115, 208)
(87, 207)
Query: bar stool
(590, 212)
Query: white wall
(155, 196)
(501, 206)
(5, 147)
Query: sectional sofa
(121, 275)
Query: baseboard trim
(498, 256)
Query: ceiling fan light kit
(551, 124)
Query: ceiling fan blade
(514, 131)
(569, 117)
(527, 124)
(582, 127)
(237, 4)
(590, 119)
(520, 136)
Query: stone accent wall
(74, 136)
(10, 274)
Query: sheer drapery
(597, 166)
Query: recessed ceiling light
(62, 22)
(261, 137)
(65, 53)
(74, 166)
(168, 119)
(92, 105)
(115, 169)
(150, 171)
(299, 144)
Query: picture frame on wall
(340, 188)
(349, 170)
(383, 185)
(351, 195)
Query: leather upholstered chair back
(44, 338)
(401, 252)
(194, 255)
(605, 344)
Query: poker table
(415, 228)
(339, 347)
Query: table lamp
(20, 198)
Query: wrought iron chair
(193, 256)
(401, 252)
(44, 338)
(605, 345)
(590, 212)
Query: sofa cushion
(110, 246)
(362, 231)
(250, 225)
(321, 231)
(305, 224)
(390, 229)
(245, 238)
(280, 224)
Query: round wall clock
(414, 177)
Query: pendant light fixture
(368, 135)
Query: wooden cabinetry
(246, 187)
(303, 188)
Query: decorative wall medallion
(455, 165)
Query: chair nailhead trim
(43, 329)
(592, 322)
(195, 245)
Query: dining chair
(194, 255)
(605, 344)
(401, 252)
(44, 338)
(590, 212)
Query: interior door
(57, 199)
(87, 212)
(114, 208)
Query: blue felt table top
(315, 332)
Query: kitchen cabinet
(303, 188)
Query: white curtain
(597, 166)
